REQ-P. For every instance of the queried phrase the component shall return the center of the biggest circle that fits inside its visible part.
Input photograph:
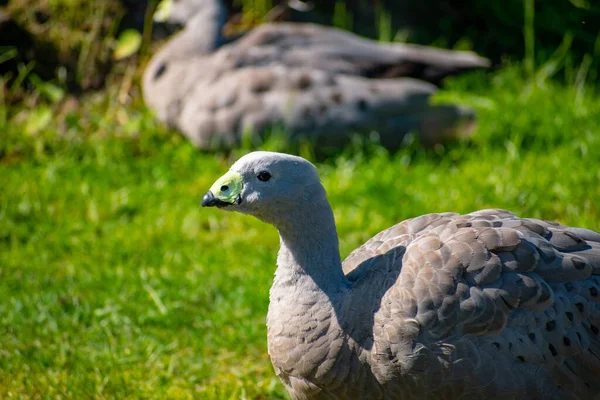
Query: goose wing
(334, 50)
(505, 304)
(319, 105)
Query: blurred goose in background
(315, 82)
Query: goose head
(182, 12)
(269, 186)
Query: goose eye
(264, 176)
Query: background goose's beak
(302, 6)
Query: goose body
(441, 306)
(314, 81)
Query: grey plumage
(483, 305)
(316, 82)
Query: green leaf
(38, 119)
(49, 90)
(128, 43)
(52, 92)
(581, 4)
(7, 53)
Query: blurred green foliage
(494, 28)
(71, 40)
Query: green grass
(114, 283)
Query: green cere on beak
(227, 189)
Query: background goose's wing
(511, 302)
(334, 50)
(314, 104)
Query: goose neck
(202, 34)
(309, 253)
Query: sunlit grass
(114, 283)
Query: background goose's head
(181, 12)
(270, 186)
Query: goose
(441, 306)
(310, 81)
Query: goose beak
(163, 10)
(301, 6)
(226, 191)
(209, 200)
